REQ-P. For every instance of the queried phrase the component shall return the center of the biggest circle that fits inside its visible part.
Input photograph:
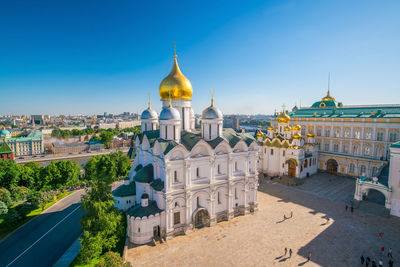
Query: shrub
(3, 208)
(5, 196)
(113, 259)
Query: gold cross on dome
(212, 96)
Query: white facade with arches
(186, 179)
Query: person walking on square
(346, 207)
(390, 253)
(290, 253)
(367, 261)
(383, 251)
(373, 264)
(309, 256)
(390, 263)
(362, 260)
(380, 263)
(285, 251)
(351, 209)
(380, 235)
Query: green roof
(125, 190)
(157, 184)
(326, 103)
(167, 146)
(373, 111)
(138, 167)
(5, 148)
(131, 153)
(145, 174)
(396, 145)
(139, 211)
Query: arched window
(219, 169)
(198, 201)
(374, 171)
(174, 132)
(272, 152)
(198, 172)
(176, 176)
(363, 170)
(351, 168)
(219, 199)
(305, 163)
(335, 147)
(236, 197)
(209, 131)
(283, 152)
(166, 132)
(236, 166)
(380, 135)
(393, 137)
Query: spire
(329, 83)
(212, 97)
(175, 50)
(328, 96)
(149, 102)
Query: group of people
(351, 208)
(374, 263)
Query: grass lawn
(6, 228)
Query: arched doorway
(332, 166)
(292, 164)
(201, 219)
(375, 196)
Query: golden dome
(296, 136)
(287, 129)
(328, 97)
(270, 128)
(175, 85)
(283, 117)
(310, 135)
(297, 127)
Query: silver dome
(170, 113)
(211, 113)
(149, 114)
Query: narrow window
(138, 230)
(236, 193)
(174, 132)
(283, 152)
(219, 169)
(177, 218)
(219, 200)
(272, 152)
(236, 166)
(198, 201)
(175, 176)
(183, 118)
(209, 131)
(166, 132)
(198, 172)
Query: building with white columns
(182, 178)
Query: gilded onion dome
(287, 129)
(296, 127)
(328, 97)
(270, 128)
(175, 85)
(296, 136)
(283, 117)
(260, 133)
(310, 135)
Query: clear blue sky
(87, 57)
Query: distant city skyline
(74, 57)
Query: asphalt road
(44, 239)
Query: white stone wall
(394, 180)
(124, 203)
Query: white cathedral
(183, 178)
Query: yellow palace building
(352, 140)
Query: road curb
(37, 216)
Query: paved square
(260, 239)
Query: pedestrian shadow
(281, 221)
(277, 258)
(302, 263)
(283, 259)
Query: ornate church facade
(185, 178)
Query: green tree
(3, 208)
(70, 173)
(34, 170)
(10, 173)
(122, 163)
(106, 138)
(113, 259)
(91, 167)
(91, 246)
(5, 196)
(19, 192)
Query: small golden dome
(260, 134)
(270, 128)
(283, 117)
(328, 97)
(297, 127)
(175, 85)
(296, 136)
(310, 135)
(287, 129)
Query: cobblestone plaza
(319, 225)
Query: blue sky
(87, 57)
